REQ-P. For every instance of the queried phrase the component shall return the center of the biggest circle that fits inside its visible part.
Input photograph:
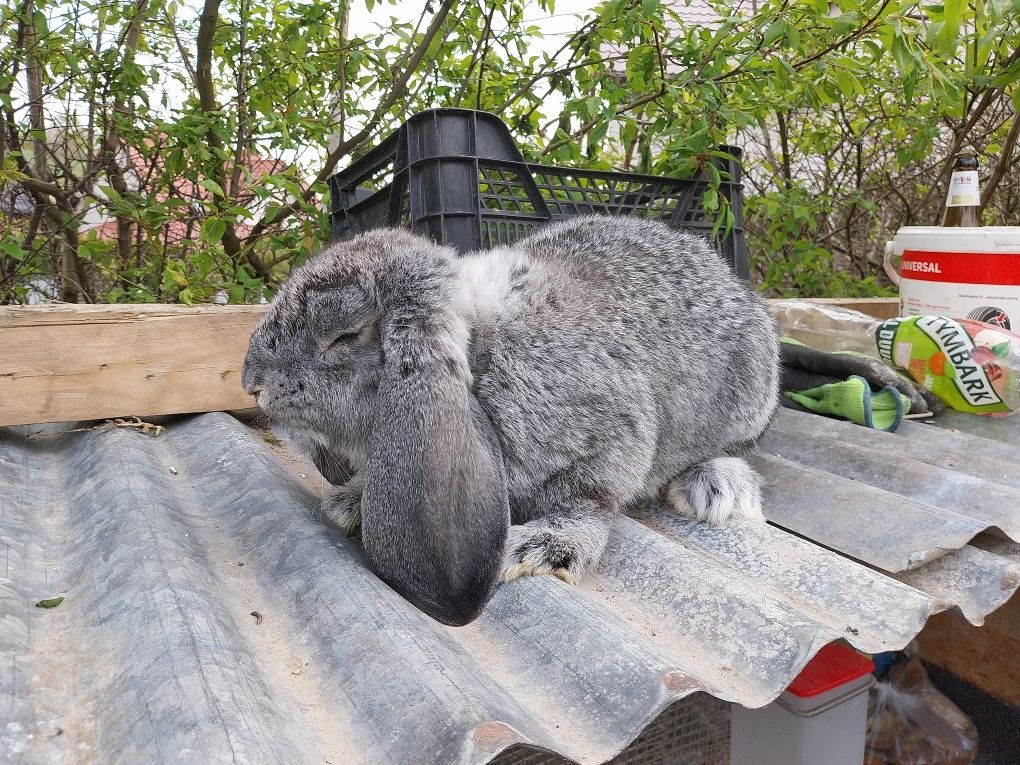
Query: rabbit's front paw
(716, 490)
(341, 506)
(537, 547)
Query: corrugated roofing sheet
(166, 546)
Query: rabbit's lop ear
(434, 510)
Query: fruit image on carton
(972, 366)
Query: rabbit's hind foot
(564, 544)
(716, 490)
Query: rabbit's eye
(339, 340)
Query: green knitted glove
(853, 400)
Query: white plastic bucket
(965, 273)
(821, 719)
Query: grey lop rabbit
(593, 364)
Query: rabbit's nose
(250, 378)
(250, 382)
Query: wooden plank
(69, 363)
(880, 308)
(984, 656)
(66, 363)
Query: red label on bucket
(961, 267)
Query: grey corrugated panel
(144, 655)
(959, 452)
(878, 527)
(154, 655)
(989, 504)
(850, 600)
(894, 511)
(973, 580)
(1004, 429)
(1005, 548)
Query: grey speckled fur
(593, 364)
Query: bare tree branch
(240, 81)
(208, 24)
(1003, 163)
(397, 88)
(588, 126)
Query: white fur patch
(485, 282)
(716, 490)
(455, 345)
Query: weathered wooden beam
(880, 308)
(66, 363)
(69, 363)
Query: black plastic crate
(457, 176)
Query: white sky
(562, 22)
(554, 27)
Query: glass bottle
(963, 202)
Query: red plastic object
(831, 667)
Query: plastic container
(965, 273)
(820, 718)
(457, 176)
(972, 366)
